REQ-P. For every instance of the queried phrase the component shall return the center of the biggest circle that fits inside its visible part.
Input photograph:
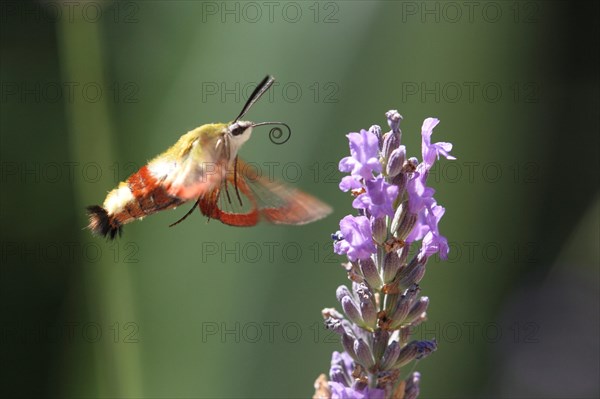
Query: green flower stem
(116, 369)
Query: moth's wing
(222, 203)
(188, 171)
(258, 198)
(282, 204)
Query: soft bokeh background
(207, 310)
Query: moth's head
(240, 131)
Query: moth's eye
(237, 130)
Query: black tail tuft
(101, 224)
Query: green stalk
(116, 367)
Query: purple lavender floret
(431, 152)
(387, 246)
(364, 155)
(356, 238)
(426, 229)
(378, 198)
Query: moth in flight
(203, 167)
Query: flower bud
(391, 265)
(341, 292)
(380, 342)
(407, 354)
(399, 216)
(376, 130)
(400, 181)
(363, 353)
(390, 356)
(411, 274)
(399, 312)
(394, 119)
(425, 348)
(359, 289)
(335, 325)
(403, 253)
(417, 309)
(390, 302)
(415, 350)
(336, 374)
(351, 310)
(368, 313)
(403, 221)
(420, 319)
(391, 141)
(348, 344)
(331, 312)
(412, 292)
(369, 270)
(411, 390)
(403, 306)
(366, 300)
(396, 161)
(379, 229)
(363, 291)
(404, 334)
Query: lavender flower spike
(387, 245)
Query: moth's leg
(226, 191)
(187, 214)
(237, 191)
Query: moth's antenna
(256, 94)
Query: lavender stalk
(396, 210)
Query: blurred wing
(257, 197)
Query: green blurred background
(92, 90)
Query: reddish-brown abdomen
(148, 197)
